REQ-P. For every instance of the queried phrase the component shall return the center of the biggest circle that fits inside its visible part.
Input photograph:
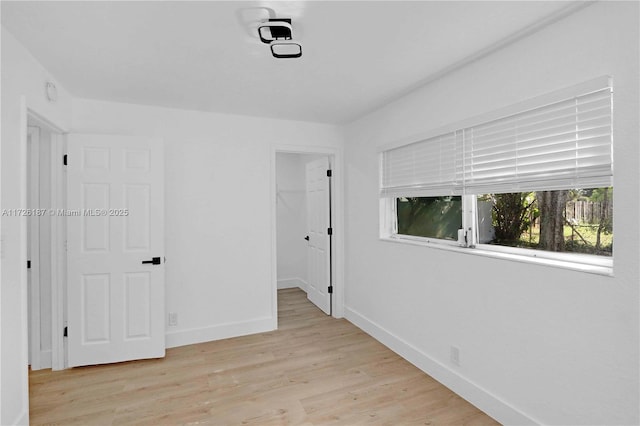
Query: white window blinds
(558, 145)
(427, 168)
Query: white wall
(537, 344)
(22, 75)
(218, 209)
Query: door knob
(153, 261)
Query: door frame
(33, 238)
(58, 228)
(337, 210)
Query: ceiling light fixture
(285, 49)
(274, 29)
(277, 33)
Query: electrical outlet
(173, 319)
(454, 356)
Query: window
(534, 181)
(431, 217)
(569, 221)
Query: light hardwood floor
(314, 370)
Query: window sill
(605, 267)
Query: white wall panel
(96, 159)
(96, 315)
(137, 160)
(95, 227)
(137, 299)
(137, 222)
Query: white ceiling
(205, 55)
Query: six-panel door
(115, 222)
(318, 224)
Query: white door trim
(58, 226)
(58, 252)
(33, 252)
(337, 207)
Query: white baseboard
(476, 395)
(292, 283)
(218, 332)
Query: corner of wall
(218, 332)
(473, 393)
(292, 283)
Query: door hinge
(329, 231)
(330, 289)
(28, 264)
(329, 173)
(65, 333)
(64, 159)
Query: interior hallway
(314, 370)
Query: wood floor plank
(314, 370)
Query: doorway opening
(305, 206)
(46, 257)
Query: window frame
(568, 257)
(394, 224)
(590, 263)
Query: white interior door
(115, 223)
(318, 199)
